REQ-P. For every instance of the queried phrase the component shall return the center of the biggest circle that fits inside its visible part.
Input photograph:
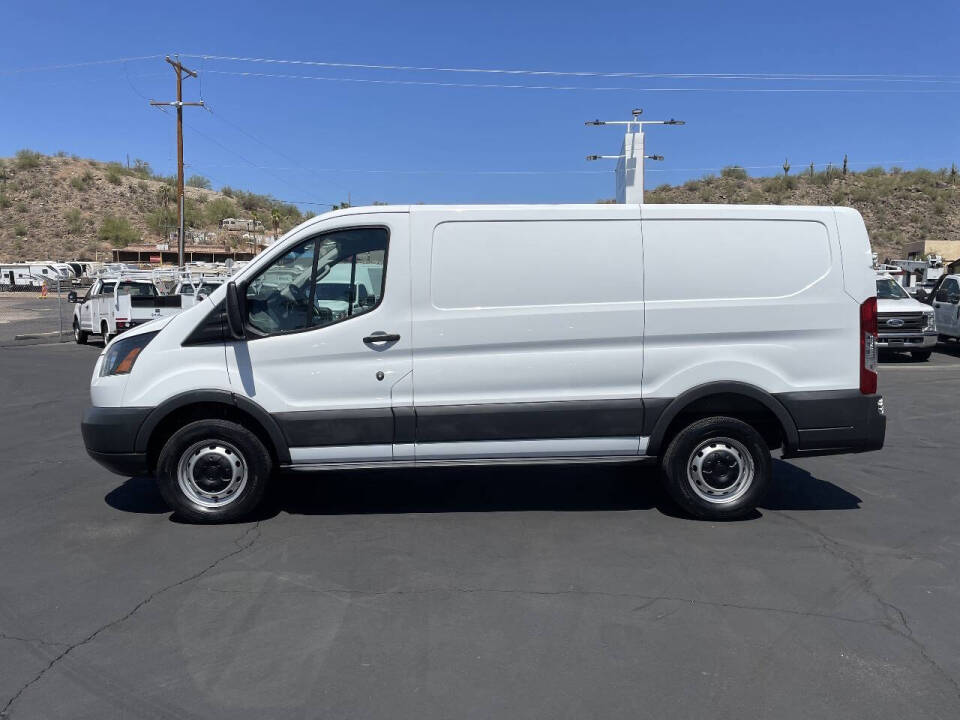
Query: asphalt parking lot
(553, 592)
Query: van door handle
(381, 338)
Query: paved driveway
(555, 592)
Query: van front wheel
(213, 471)
(717, 468)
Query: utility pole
(179, 105)
(631, 157)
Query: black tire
(105, 334)
(79, 335)
(723, 445)
(221, 443)
(921, 355)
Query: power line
(429, 83)
(387, 171)
(71, 66)
(899, 77)
(250, 163)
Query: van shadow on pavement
(558, 488)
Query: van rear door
(332, 371)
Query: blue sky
(318, 140)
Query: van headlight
(124, 353)
(930, 325)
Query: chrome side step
(452, 462)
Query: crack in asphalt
(31, 640)
(898, 622)
(241, 547)
(648, 599)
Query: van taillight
(868, 346)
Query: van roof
(612, 208)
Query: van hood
(150, 326)
(902, 305)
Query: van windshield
(888, 289)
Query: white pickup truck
(113, 305)
(903, 324)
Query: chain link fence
(30, 314)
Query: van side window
(321, 281)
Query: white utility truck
(903, 323)
(114, 305)
(508, 334)
(192, 289)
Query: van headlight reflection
(124, 353)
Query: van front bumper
(110, 435)
(835, 421)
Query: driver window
(949, 287)
(321, 281)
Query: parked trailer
(32, 275)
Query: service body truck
(193, 290)
(509, 334)
(903, 323)
(112, 306)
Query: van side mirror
(234, 314)
(953, 298)
(72, 296)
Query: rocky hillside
(898, 206)
(64, 207)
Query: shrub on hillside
(162, 221)
(117, 231)
(734, 172)
(114, 173)
(19, 229)
(142, 168)
(218, 209)
(199, 181)
(28, 159)
(74, 220)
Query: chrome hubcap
(720, 470)
(212, 473)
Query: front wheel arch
(180, 410)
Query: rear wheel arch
(180, 410)
(741, 401)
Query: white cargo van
(509, 334)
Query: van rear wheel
(213, 471)
(79, 335)
(717, 468)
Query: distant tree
(844, 164)
(199, 181)
(786, 166)
(812, 171)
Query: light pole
(631, 157)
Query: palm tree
(275, 216)
(256, 237)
